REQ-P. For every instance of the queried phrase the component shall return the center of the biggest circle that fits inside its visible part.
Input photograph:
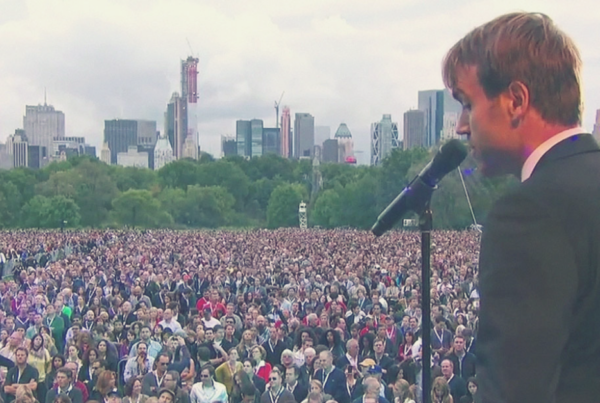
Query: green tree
(173, 202)
(326, 210)
(62, 212)
(94, 192)
(133, 178)
(179, 174)
(207, 207)
(227, 175)
(35, 212)
(282, 210)
(59, 183)
(10, 209)
(136, 207)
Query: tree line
(229, 192)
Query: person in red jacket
(263, 368)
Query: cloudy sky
(341, 60)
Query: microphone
(417, 194)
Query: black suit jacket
(75, 395)
(334, 384)
(539, 283)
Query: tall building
(345, 143)
(190, 149)
(596, 131)
(66, 147)
(20, 149)
(163, 153)
(256, 130)
(42, 123)
(189, 92)
(330, 151)
(286, 135)
(36, 156)
(384, 138)
(105, 153)
(120, 134)
(175, 124)
(414, 129)
(6, 160)
(449, 127)
(243, 136)
(304, 135)
(146, 132)
(322, 133)
(132, 158)
(228, 146)
(271, 143)
(434, 104)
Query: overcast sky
(342, 61)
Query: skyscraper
(163, 153)
(304, 135)
(105, 153)
(42, 123)
(256, 130)
(228, 146)
(243, 136)
(345, 143)
(175, 124)
(414, 129)
(286, 138)
(189, 92)
(330, 151)
(120, 134)
(20, 149)
(434, 104)
(271, 141)
(384, 138)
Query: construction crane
(277, 110)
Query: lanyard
(440, 338)
(276, 396)
(159, 381)
(391, 334)
(19, 373)
(325, 378)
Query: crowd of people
(234, 316)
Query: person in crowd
(133, 391)
(21, 374)
(277, 391)
(208, 390)
(64, 386)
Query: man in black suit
(332, 378)
(458, 386)
(518, 79)
(464, 362)
(64, 381)
(293, 384)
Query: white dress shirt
(543, 148)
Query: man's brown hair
(524, 47)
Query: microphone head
(447, 159)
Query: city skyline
(320, 53)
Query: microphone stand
(425, 225)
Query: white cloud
(341, 60)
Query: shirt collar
(538, 153)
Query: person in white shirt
(207, 390)
(208, 320)
(169, 322)
(140, 364)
